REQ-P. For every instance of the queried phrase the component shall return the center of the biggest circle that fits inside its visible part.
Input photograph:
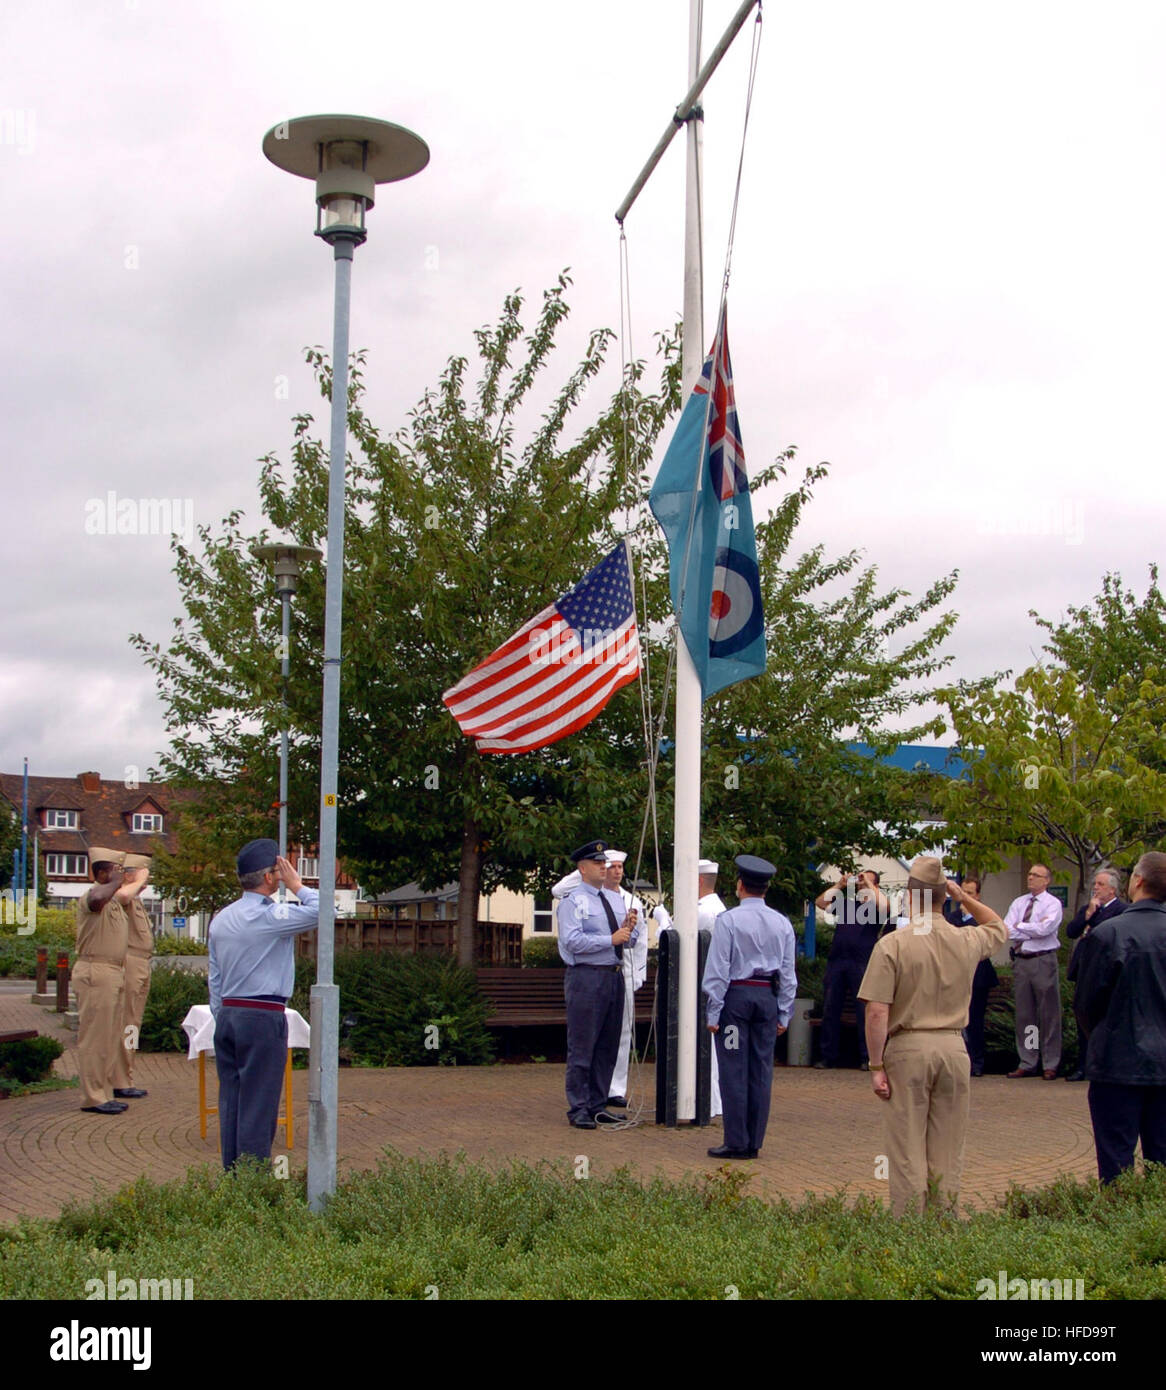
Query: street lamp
(287, 558)
(347, 156)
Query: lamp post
(347, 156)
(287, 558)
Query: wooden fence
(495, 943)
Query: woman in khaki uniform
(99, 978)
(137, 983)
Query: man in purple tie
(1032, 923)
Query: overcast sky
(948, 280)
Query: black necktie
(612, 923)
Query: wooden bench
(22, 1036)
(533, 998)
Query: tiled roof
(106, 814)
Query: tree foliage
(1071, 761)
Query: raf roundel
(735, 616)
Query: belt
(614, 968)
(102, 960)
(763, 981)
(255, 1004)
(1029, 955)
(898, 1031)
(141, 955)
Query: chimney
(90, 781)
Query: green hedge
(526, 1232)
(542, 952)
(404, 1011)
(173, 992)
(29, 1059)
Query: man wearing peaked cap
(749, 984)
(252, 973)
(595, 927)
(917, 988)
(99, 976)
(139, 950)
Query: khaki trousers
(137, 970)
(926, 1118)
(100, 988)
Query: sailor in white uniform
(708, 908)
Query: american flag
(726, 452)
(558, 670)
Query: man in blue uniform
(252, 973)
(750, 984)
(594, 928)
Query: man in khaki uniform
(99, 977)
(137, 984)
(917, 989)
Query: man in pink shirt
(1034, 945)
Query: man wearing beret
(595, 927)
(917, 988)
(99, 976)
(750, 984)
(252, 974)
(137, 983)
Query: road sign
(179, 921)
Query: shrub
(398, 1004)
(30, 1059)
(179, 946)
(172, 994)
(541, 952)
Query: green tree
(456, 534)
(1059, 768)
(780, 775)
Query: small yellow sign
(329, 798)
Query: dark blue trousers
(595, 1002)
(745, 1043)
(250, 1055)
(842, 973)
(1121, 1114)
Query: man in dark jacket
(1121, 1005)
(984, 981)
(1103, 905)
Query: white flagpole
(686, 845)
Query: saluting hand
(288, 875)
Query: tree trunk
(469, 883)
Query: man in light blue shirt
(750, 984)
(595, 926)
(252, 974)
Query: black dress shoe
(977, 1071)
(620, 1101)
(723, 1151)
(1075, 1076)
(822, 1066)
(603, 1118)
(108, 1108)
(129, 1093)
(582, 1124)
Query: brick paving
(825, 1129)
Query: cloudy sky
(948, 280)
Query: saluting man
(252, 975)
(99, 976)
(750, 985)
(596, 929)
(137, 983)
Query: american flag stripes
(558, 670)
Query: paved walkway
(825, 1130)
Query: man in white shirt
(708, 908)
(1032, 922)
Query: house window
(543, 919)
(309, 868)
(146, 825)
(66, 865)
(60, 820)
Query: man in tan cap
(99, 976)
(917, 989)
(137, 984)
